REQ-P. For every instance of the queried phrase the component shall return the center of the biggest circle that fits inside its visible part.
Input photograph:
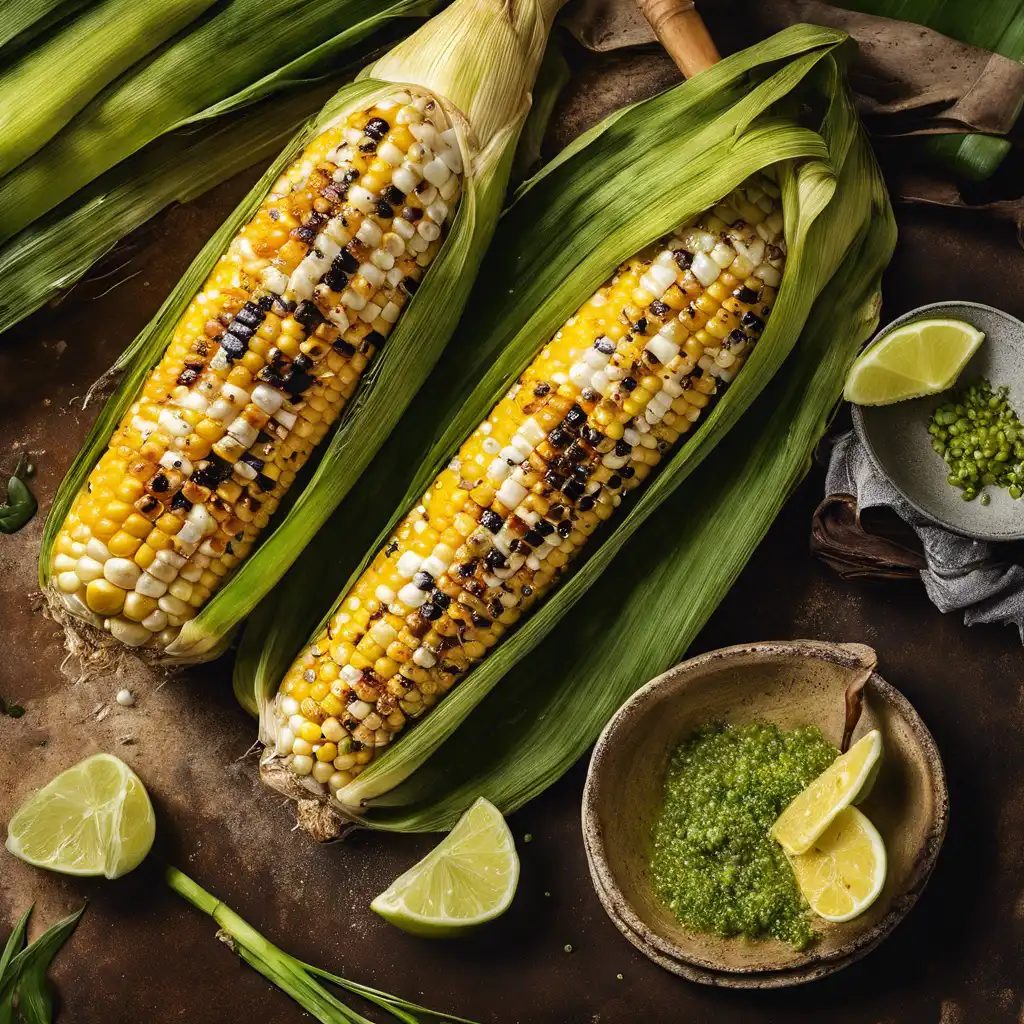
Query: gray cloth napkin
(962, 574)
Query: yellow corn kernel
(104, 598)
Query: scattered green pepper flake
(20, 505)
(713, 863)
(11, 710)
(981, 439)
(528, 838)
(567, 947)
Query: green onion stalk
(295, 978)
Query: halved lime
(923, 357)
(469, 878)
(843, 872)
(93, 819)
(813, 810)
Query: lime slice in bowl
(93, 819)
(919, 358)
(814, 809)
(469, 878)
(843, 872)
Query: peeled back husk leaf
(572, 224)
(43, 90)
(56, 251)
(462, 52)
(22, 21)
(242, 51)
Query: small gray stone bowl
(897, 439)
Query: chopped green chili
(980, 438)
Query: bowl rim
(857, 414)
(664, 952)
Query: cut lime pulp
(469, 878)
(919, 358)
(93, 819)
(813, 810)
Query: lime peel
(469, 878)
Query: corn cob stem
(585, 424)
(260, 366)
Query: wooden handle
(683, 33)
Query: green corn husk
(56, 251)
(244, 50)
(43, 90)
(996, 25)
(562, 695)
(479, 57)
(22, 21)
(578, 219)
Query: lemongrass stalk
(56, 79)
(294, 977)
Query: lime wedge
(843, 872)
(920, 358)
(93, 819)
(469, 878)
(813, 810)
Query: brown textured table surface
(142, 955)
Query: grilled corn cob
(259, 367)
(585, 424)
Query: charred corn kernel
(588, 420)
(189, 471)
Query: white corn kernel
(88, 569)
(436, 172)
(132, 634)
(150, 586)
(122, 572)
(97, 549)
(155, 620)
(370, 233)
(68, 582)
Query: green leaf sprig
(26, 996)
(21, 504)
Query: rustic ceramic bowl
(897, 439)
(790, 683)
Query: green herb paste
(714, 864)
